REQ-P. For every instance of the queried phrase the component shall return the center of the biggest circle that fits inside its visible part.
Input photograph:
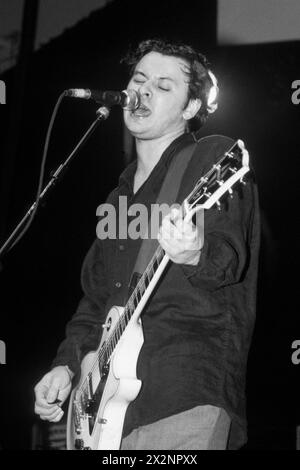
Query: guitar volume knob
(102, 421)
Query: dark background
(40, 278)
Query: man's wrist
(70, 372)
(193, 261)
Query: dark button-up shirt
(199, 322)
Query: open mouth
(141, 111)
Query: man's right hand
(51, 392)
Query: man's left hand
(180, 238)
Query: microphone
(128, 99)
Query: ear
(191, 109)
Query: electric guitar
(108, 381)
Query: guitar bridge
(76, 417)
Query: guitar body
(99, 401)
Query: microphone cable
(42, 170)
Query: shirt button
(121, 247)
(118, 284)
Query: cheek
(171, 112)
(172, 105)
(125, 114)
(131, 85)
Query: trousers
(201, 428)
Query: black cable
(42, 171)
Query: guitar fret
(147, 280)
(138, 295)
(145, 284)
(104, 359)
(156, 263)
(127, 315)
(131, 306)
(135, 301)
(151, 270)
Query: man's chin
(136, 126)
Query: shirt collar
(127, 176)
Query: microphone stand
(102, 114)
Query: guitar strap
(167, 195)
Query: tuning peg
(242, 180)
(230, 193)
(218, 205)
(233, 170)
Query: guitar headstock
(229, 169)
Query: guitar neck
(138, 298)
(147, 282)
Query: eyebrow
(139, 72)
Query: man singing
(198, 323)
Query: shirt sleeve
(227, 240)
(84, 329)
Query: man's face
(163, 87)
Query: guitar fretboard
(108, 347)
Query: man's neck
(149, 152)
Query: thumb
(53, 391)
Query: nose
(145, 90)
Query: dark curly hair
(200, 81)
